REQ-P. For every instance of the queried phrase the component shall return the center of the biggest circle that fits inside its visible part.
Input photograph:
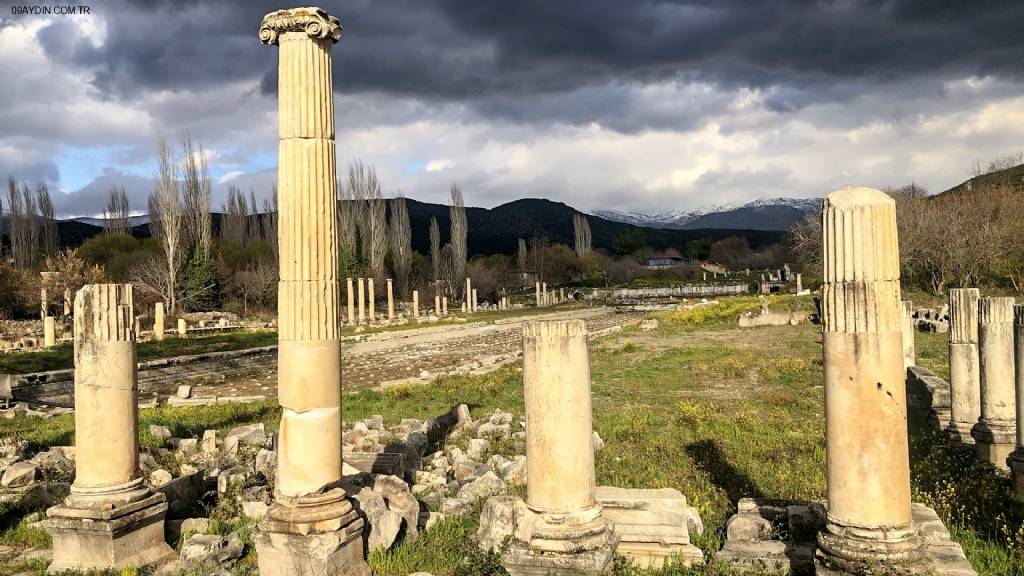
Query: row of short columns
(361, 301)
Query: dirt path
(407, 355)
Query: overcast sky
(634, 105)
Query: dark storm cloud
(528, 60)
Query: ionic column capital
(315, 22)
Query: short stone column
(545, 297)
(1015, 460)
(473, 300)
(362, 300)
(351, 297)
(158, 321)
(415, 304)
(799, 282)
(311, 528)
(371, 302)
(909, 341)
(868, 464)
(49, 332)
(568, 535)
(537, 294)
(111, 519)
(995, 434)
(182, 327)
(437, 303)
(391, 301)
(444, 306)
(964, 371)
(468, 299)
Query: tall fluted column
(362, 301)
(964, 374)
(867, 459)
(371, 301)
(110, 519)
(312, 527)
(560, 482)
(1016, 458)
(158, 321)
(995, 433)
(351, 297)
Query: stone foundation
(319, 536)
(653, 526)
(100, 539)
(780, 535)
(520, 560)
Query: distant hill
(496, 230)
(764, 214)
(1013, 175)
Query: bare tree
(269, 221)
(400, 236)
(195, 192)
(370, 215)
(448, 282)
(116, 213)
(32, 224)
(521, 256)
(154, 217)
(45, 203)
(235, 221)
(348, 236)
(378, 233)
(435, 249)
(16, 224)
(167, 200)
(581, 232)
(459, 229)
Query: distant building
(664, 262)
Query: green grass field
(696, 404)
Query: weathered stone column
(371, 301)
(468, 299)
(415, 304)
(799, 282)
(473, 300)
(182, 327)
(391, 301)
(569, 535)
(995, 433)
(545, 297)
(110, 519)
(311, 528)
(362, 300)
(49, 332)
(909, 343)
(867, 459)
(1016, 458)
(444, 305)
(537, 294)
(964, 371)
(158, 321)
(437, 302)
(351, 301)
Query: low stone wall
(161, 376)
(680, 291)
(928, 392)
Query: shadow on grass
(708, 456)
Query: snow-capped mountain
(132, 220)
(760, 214)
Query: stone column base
(994, 440)
(960, 433)
(321, 536)
(118, 537)
(520, 560)
(846, 549)
(1016, 463)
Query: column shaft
(995, 433)
(964, 370)
(371, 301)
(391, 301)
(1015, 461)
(362, 301)
(351, 301)
(415, 303)
(158, 321)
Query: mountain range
(763, 214)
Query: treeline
(970, 236)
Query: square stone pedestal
(520, 560)
(91, 539)
(779, 536)
(324, 541)
(653, 525)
